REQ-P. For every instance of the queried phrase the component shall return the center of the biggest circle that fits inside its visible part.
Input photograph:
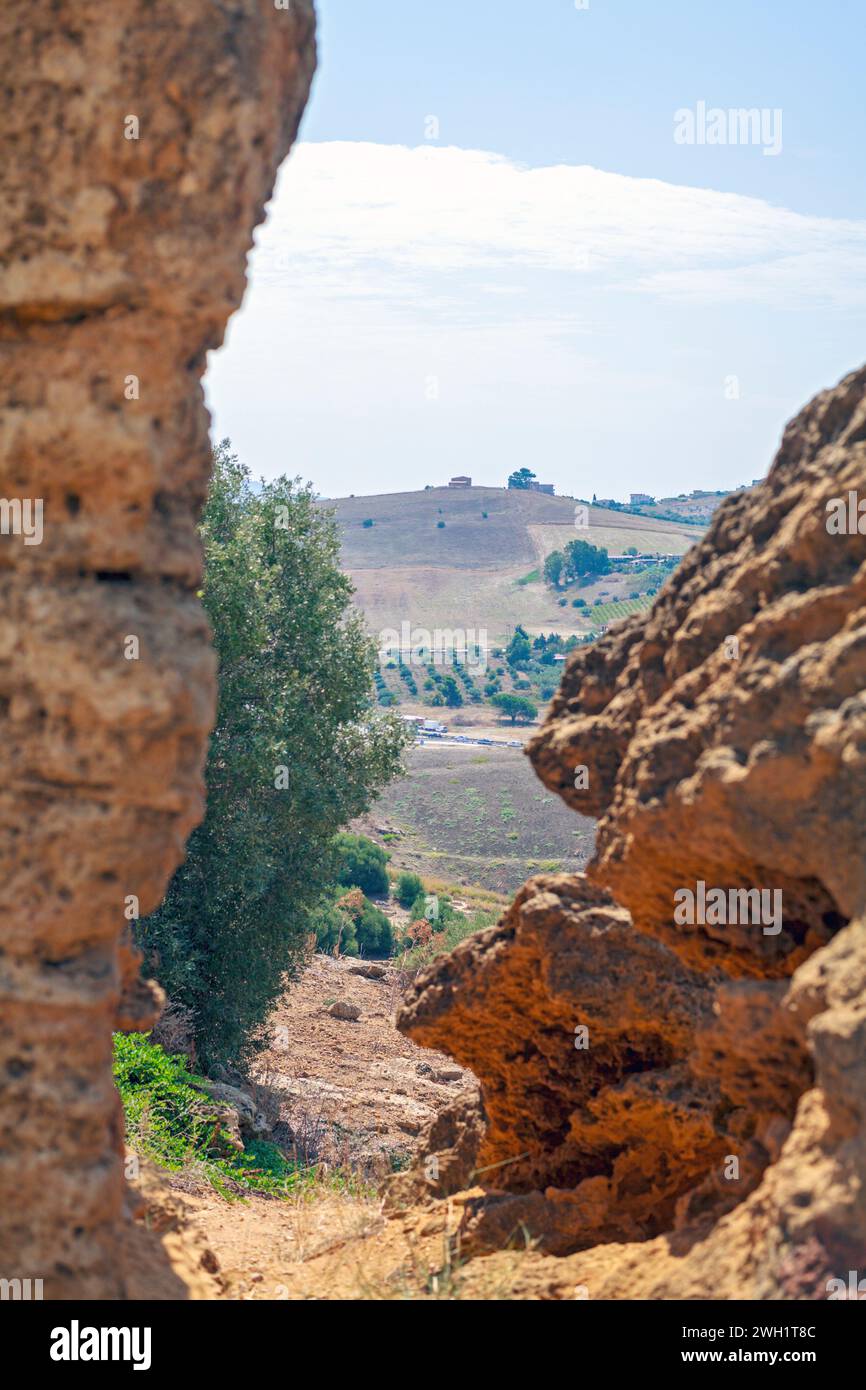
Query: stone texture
(609, 1111)
(122, 258)
(341, 1008)
(741, 763)
(743, 771)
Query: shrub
(334, 929)
(409, 886)
(372, 927)
(368, 522)
(453, 929)
(361, 864)
(440, 524)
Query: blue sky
(551, 278)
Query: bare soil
(356, 1095)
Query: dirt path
(355, 1095)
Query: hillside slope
(464, 574)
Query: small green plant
(171, 1120)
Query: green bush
(333, 928)
(374, 934)
(362, 864)
(409, 885)
(372, 927)
(452, 928)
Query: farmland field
(609, 612)
(478, 816)
(472, 558)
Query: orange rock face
(139, 145)
(706, 1135)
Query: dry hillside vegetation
(407, 569)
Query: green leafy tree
(515, 706)
(583, 559)
(298, 750)
(519, 649)
(451, 692)
(362, 864)
(522, 477)
(553, 567)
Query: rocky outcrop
(723, 735)
(706, 1134)
(139, 145)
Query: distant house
(543, 487)
(642, 499)
(460, 481)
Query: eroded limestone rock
(122, 259)
(725, 738)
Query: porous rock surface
(711, 1138)
(121, 261)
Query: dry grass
(480, 825)
(405, 568)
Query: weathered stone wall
(138, 147)
(724, 740)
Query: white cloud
(361, 220)
(579, 321)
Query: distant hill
(477, 570)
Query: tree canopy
(515, 706)
(297, 751)
(521, 477)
